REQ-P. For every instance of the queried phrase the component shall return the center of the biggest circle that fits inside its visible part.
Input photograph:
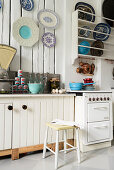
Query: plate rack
(77, 24)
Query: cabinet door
(5, 126)
(26, 122)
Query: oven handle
(101, 127)
(101, 108)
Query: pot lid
(6, 55)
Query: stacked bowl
(76, 86)
(88, 84)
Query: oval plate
(28, 5)
(48, 39)
(102, 28)
(86, 8)
(48, 18)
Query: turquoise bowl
(34, 88)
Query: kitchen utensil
(84, 31)
(108, 11)
(97, 44)
(28, 5)
(48, 18)
(75, 86)
(48, 39)
(84, 50)
(102, 28)
(84, 7)
(34, 87)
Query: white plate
(25, 31)
(48, 18)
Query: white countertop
(37, 95)
(93, 91)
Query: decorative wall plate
(102, 28)
(0, 4)
(28, 5)
(48, 18)
(6, 55)
(84, 50)
(97, 44)
(25, 31)
(48, 39)
(108, 11)
(84, 32)
(86, 8)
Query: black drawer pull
(10, 107)
(24, 107)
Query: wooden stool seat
(58, 128)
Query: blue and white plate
(0, 4)
(48, 39)
(84, 31)
(102, 28)
(28, 5)
(48, 18)
(84, 7)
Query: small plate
(84, 50)
(102, 28)
(84, 31)
(48, 18)
(86, 8)
(28, 5)
(48, 39)
(97, 44)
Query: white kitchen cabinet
(29, 124)
(5, 126)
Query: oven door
(98, 112)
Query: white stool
(58, 128)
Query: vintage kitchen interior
(56, 84)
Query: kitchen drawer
(98, 131)
(98, 112)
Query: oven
(93, 112)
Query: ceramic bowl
(75, 86)
(34, 88)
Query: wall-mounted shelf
(77, 24)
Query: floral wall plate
(48, 18)
(27, 4)
(48, 39)
(25, 31)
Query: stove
(93, 112)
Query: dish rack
(77, 24)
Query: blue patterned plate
(48, 18)
(102, 28)
(48, 39)
(28, 5)
(84, 7)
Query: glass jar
(54, 83)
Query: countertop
(36, 95)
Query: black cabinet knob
(24, 107)
(10, 107)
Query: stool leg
(45, 143)
(78, 145)
(56, 149)
(65, 140)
